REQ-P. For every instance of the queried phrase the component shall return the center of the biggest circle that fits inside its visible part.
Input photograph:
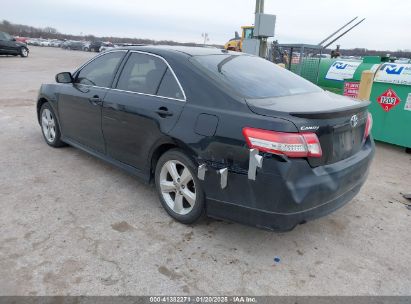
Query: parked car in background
(74, 45)
(86, 46)
(221, 133)
(105, 48)
(21, 39)
(65, 44)
(96, 45)
(9, 46)
(403, 60)
(44, 42)
(56, 43)
(108, 47)
(33, 41)
(321, 56)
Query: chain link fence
(301, 59)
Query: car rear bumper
(287, 193)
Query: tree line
(52, 33)
(22, 30)
(365, 52)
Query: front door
(144, 106)
(7, 45)
(80, 103)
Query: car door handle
(163, 112)
(95, 100)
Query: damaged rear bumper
(287, 193)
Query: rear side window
(254, 77)
(169, 87)
(142, 74)
(100, 71)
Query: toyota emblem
(354, 121)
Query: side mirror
(64, 77)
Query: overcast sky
(388, 24)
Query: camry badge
(354, 121)
(310, 128)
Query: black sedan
(220, 133)
(9, 46)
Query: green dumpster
(391, 104)
(334, 72)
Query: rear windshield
(254, 77)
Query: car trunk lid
(338, 121)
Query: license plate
(346, 141)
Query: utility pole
(264, 27)
(259, 9)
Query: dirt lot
(71, 224)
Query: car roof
(187, 50)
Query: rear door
(145, 104)
(80, 103)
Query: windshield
(254, 77)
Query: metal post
(259, 6)
(300, 61)
(343, 34)
(259, 9)
(364, 91)
(318, 67)
(336, 32)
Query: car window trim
(76, 72)
(168, 66)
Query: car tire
(86, 49)
(24, 52)
(178, 187)
(50, 127)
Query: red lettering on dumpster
(388, 100)
(351, 89)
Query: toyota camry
(223, 134)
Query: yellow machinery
(236, 44)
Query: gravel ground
(73, 225)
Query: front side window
(100, 71)
(248, 33)
(254, 77)
(142, 74)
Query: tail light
(289, 144)
(368, 126)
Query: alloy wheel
(48, 124)
(177, 187)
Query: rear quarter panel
(227, 146)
